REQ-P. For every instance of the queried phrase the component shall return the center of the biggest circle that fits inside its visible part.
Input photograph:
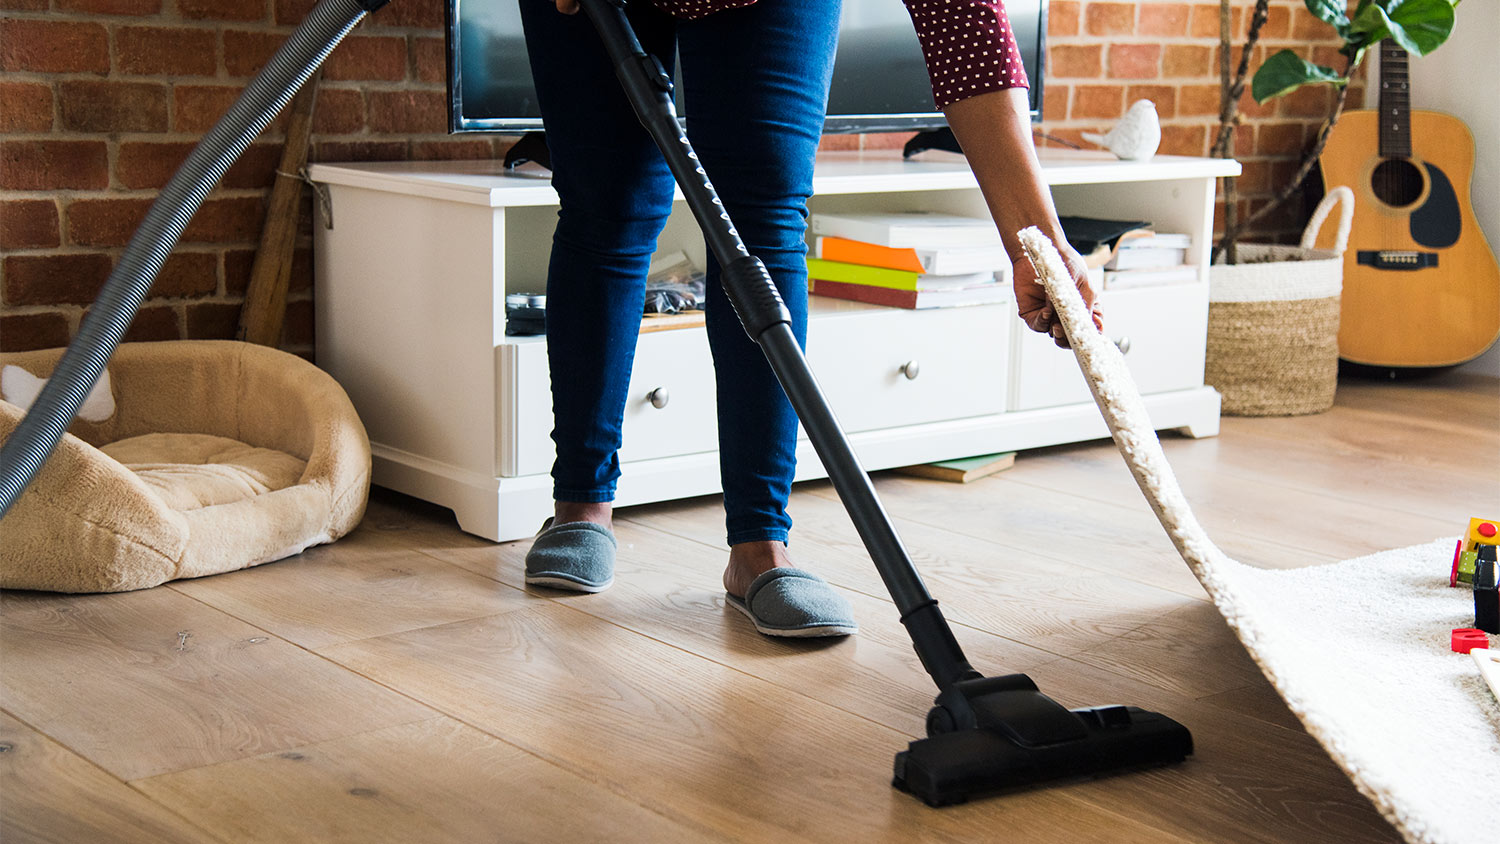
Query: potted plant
(1273, 312)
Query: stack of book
(1144, 258)
(1126, 253)
(914, 260)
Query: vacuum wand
(984, 733)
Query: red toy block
(1458, 552)
(1466, 639)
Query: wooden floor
(401, 685)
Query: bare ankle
(750, 560)
(600, 513)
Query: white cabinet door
(889, 367)
(1161, 330)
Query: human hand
(1031, 298)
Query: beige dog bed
(190, 458)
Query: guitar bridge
(1396, 259)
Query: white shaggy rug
(1358, 649)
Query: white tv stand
(410, 319)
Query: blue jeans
(755, 87)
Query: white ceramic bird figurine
(1136, 137)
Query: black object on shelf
(531, 147)
(525, 314)
(942, 139)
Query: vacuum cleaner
(984, 734)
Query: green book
(964, 469)
(820, 269)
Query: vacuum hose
(32, 442)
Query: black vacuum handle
(767, 321)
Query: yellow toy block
(1482, 532)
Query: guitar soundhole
(1396, 182)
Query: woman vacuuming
(755, 77)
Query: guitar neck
(1395, 102)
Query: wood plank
(144, 683)
(690, 738)
(56, 796)
(431, 780)
(1271, 784)
(366, 584)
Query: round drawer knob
(911, 369)
(1123, 344)
(659, 397)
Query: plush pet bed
(190, 458)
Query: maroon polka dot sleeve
(968, 44)
(969, 47)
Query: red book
(982, 294)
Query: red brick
(245, 53)
(26, 332)
(153, 324)
(107, 106)
(1063, 17)
(1255, 178)
(1308, 101)
(339, 111)
(1198, 99)
(24, 5)
(111, 7)
(368, 59)
(1188, 61)
(1134, 61)
(1204, 22)
(237, 264)
(55, 279)
(28, 224)
(25, 107)
(1164, 96)
(1109, 19)
(1305, 27)
(884, 140)
(1279, 138)
(104, 222)
(48, 46)
(451, 150)
(165, 51)
(418, 14)
(149, 164)
(1184, 140)
(407, 111)
(838, 143)
(1250, 108)
(1096, 101)
(1278, 23)
(187, 275)
(292, 12)
(429, 60)
(1055, 102)
(1164, 19)
(226, 221)
(53, 165)
(1328, 55)
(256, 168)
(223, 10)
(196, 108)
(213, 321)
(297, 330)
(1074, 61)
(360, 151)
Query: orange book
(868, 254)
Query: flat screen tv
(879, 78)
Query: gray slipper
(796, 603)
(578, 556)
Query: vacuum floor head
(998, 734)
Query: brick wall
(101, 99)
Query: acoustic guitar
(1421, 285)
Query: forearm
(994, 130)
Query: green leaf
(1285, 72)
(1369, 26)
(1330, 12)
(1420, 26)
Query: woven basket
(1273, 322)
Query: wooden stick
(265, 299)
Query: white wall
(1462, 78)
